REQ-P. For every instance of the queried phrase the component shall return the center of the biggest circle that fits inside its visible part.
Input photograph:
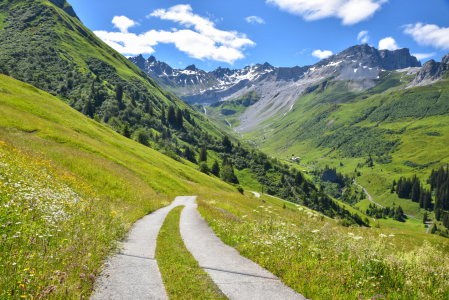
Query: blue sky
(284, 33)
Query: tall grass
(324, 261)
(54, 230)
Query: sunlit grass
(54, 230)
(183, 277)
(324, 261)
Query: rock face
(431, 71)
(65, 6)
(277, 88)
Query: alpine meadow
(154, 158)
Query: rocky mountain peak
(151, 59)
(431, 71)
(190, 68)
(445, 59)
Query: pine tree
(133, 100)
(126, 131)
(179, 117)
(434, 228)
(298, 178)
(187, 115)
(119, 93)
(203, 154)
(438, 214)
(147, 105)
(163, 120)
(424, 218)
(89, 109)
(171, 117)
(226, 142)
(415, 192)
(189, 155)
(216, 168)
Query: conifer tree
(147, 105)
(89, 109)
(203, 154)
(171, 117)
(163, 120)
(126, 131)
(216, 168)
(133, 100)
(298, 178)
(226, 142)
(179, 117)
(119, 93)
(424, 218)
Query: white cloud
(123, 23)
(306, 50)
(429, 35)
(255, 19)
(363, 37)
(200, 40)
(349, 11)
(322, 54)
(420, 56)
(388, 43)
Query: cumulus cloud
(429, 35)
(388, 43)
(200, 39)
(363, 37)
(255, 19)
(123, 23)
(349, 11)
(420, 56)
(321, 54)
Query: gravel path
(256, 194)
(133, 273)
(371, 199)
(236, 276)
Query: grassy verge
(324, 261)
(54, 230)
(183, 277)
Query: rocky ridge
(431, 71)
(278, 88)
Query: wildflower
(316, 230)
(382, 235)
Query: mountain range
(279, 88)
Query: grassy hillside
(321, 260)
(81, 185)
(403, 130)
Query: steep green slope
(75, 186)
(402, 130)
(52, 50)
